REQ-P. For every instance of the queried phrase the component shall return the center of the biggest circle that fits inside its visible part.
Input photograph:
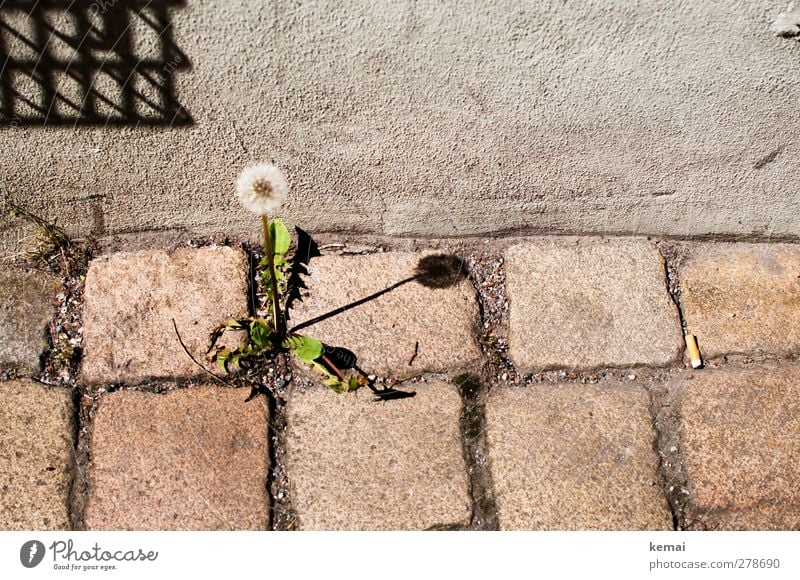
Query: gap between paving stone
(665, 407)
(281, 514)
(673, 257)
(474, 390)
(665, 410)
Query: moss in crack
(473, 433)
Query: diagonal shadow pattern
(89, 62)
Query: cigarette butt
(693, 351)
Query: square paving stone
(574, 457)
(740, 435)
(27, 305)
(36, 456)
(191, 459)
(743, 298)
(588, 303)
(410, 330)
(356, 464)
(131, 299)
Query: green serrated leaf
(220, 330)
(305, 348)
(281, 239)
(260, 333)
(222, 358)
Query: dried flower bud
(440, 271)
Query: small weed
(261, 189)
(51, 240)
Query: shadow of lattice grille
(100, 62)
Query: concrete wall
(446, 117)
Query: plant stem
(276, 303)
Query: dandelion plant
(262, 189)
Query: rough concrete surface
(743, 298)
(574, 457)
(194, 459)
(670, 117)
(355, 464)
(741, 445)
(36, 456)
(407, 331)
(27, 305)
(589, 302)
(131, 300)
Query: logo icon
(32, 553)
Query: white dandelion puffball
(262, 188)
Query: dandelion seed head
(262, 188)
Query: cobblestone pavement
(552, 390)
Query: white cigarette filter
(693, 351)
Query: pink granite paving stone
(190, 459)
(27, 305)
(410, 330)
(355, 464)
(583, 303)
(740, 433)
(36, 456)
(574, 457)
(131, 300)
(743, 298)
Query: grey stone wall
(430, 118)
